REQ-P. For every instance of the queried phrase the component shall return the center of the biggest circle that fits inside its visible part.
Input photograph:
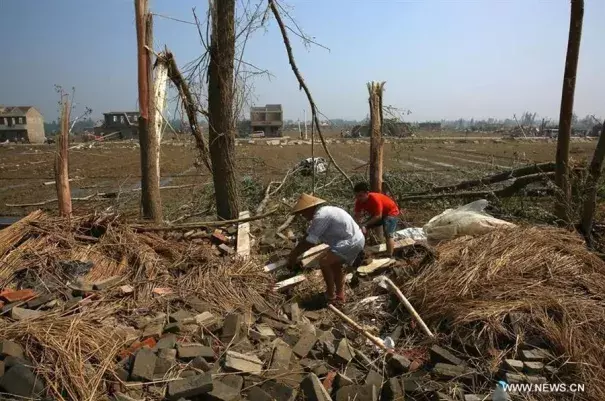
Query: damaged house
(120, 125)
(21, 124)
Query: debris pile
(511, 293)
(93, 309)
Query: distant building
(122, 124)
(268, 118)
(21, 124)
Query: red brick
(329, 380)
(16, 296)
(148, 342)
(220, 237)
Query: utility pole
(151, 200)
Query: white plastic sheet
(415, 233)
(470, 219)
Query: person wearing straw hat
(335, 227)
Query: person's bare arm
(302, 246)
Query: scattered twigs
(303, 85)
(203, 224)
(358, 328)
(269, 193)
(407, 305)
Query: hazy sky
(440, 59)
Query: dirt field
(111, 167)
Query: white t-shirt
(333, 226)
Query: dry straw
(545, 275)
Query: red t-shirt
(377, 205)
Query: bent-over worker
(383, 212)
(335, 227)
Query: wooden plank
(375, 265)
(243, 236)
(283, 262)
(398, 244)
(292, 281)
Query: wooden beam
(243, 236)
(283, 262)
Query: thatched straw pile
(544, 275)
(37, 244)
(74, 351)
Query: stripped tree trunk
(592, 183)
(151, 200)
(62, 163)
(375, 90)
(220, 108)
(159, 101)
(562, 179)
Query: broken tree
(151, 200)
(562, 179)
(62, 162)
(220, 108)
(375, 90)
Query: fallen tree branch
(302, 84)
(269, 193)
(105, 195)
(190, 107)
(492, 179)
(202, 224)
(508, 191)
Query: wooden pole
(376, 142)
(359, 329)
(62, 163)
(408, 306)
(562, 179)
(148, 138)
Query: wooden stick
(202, 224)
(358, 328)
(409, 307)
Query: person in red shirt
(383, 211)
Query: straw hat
(306, 201)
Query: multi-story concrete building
(21, 124)
(268, 119)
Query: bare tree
(592, 182)
(562, 179)
(220, 108)
(314, 118)
(375, 90)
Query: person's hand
(364, 230)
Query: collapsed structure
(98, 309)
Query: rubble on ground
(94, 310)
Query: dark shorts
(389, 225)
